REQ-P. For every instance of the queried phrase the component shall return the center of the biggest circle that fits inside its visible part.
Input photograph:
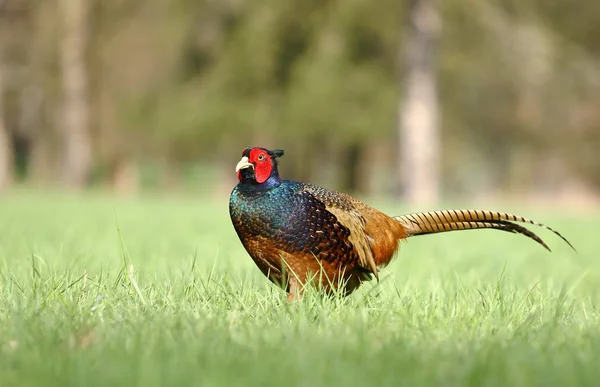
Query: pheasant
(298, 232)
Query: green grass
(104, 292)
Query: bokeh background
(424, 100)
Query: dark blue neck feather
(249, 183)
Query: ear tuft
(276, 153)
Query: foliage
(194, 81)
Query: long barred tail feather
(452, 220)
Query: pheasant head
(258, 166)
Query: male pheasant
(297, 232)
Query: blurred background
(425, 100)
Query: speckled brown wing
(373, 234)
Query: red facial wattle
(262, 172)
(262, 165)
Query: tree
(75, 133)
(6, 151)
(6, 156)
(418, 161)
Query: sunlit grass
(101, 292)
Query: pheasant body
(294, 220)
(296, 231)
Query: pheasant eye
(261, 157)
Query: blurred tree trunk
(6, 152)
(76, 137)
(418, 162)
(41, 97)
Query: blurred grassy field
(169, 297)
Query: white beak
(243, 164)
